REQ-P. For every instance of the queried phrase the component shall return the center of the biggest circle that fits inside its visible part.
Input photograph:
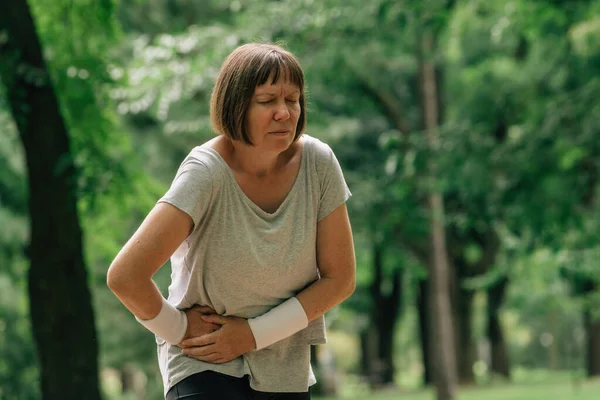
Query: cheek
(260, 117)
(296, 111)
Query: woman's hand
(230, 341)
(196, 325)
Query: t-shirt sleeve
(191, 190)
(334, 190)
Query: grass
(557, 389)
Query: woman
(257, 230)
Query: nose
(282, 112)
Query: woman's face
(273, 115)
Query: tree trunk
(385, 316)
(586, 285)
(424, 331)
(387, 319)
(499, 351)
(318, 388)
(60, 304)
(592, 330)
(489, 242)
(127, 378)
(465, 346)
(442, 337)
(366, 353)
(554, 356)
(462, 306)
(325, 372)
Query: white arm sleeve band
(277, 324)
(170, 323)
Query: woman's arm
(337, 265)
(130, 275)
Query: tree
(60, 303)
(442, 333)
(386, 309)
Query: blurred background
(469, 134)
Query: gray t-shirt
(243, 261)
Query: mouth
(280, 132)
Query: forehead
(282, 85)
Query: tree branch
(384, 100)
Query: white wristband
(170, 323)
(277, 324)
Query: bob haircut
(247, 67)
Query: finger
(210, 327)
(203, 340)
(207, 328)
(215, 319)
(200, 351)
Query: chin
(282, 142)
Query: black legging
(210, 385)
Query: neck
(254, 162)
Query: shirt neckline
(251, 203)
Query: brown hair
(247, 67)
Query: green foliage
(78, 37)
(535, 385)
(18, 364)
